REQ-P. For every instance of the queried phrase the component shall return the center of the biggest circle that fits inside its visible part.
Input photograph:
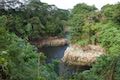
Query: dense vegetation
(21, 22)
(33, 19)
(98, 27)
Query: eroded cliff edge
(82, 56)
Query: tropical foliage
(21, 22)
(103, 28)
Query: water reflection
(53, 52)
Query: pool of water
(57, 52)
(54, 52)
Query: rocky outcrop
(52, 41)
(77, 55)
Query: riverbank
(82, 56)
(51, 41)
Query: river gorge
(71, 57)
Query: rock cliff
(77, 55)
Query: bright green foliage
(17, 58)
(112, 12)
(102, 28)
(33, 20)
(106, 68)
(109, 37)
(22, 59)
(83, 8)
(83, 22)
(30, 20)
(78, 20)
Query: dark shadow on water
(53, 52)
(57, 53)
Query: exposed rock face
(52, 41)
(77, 55)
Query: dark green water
(54, 52)
(57, 52)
